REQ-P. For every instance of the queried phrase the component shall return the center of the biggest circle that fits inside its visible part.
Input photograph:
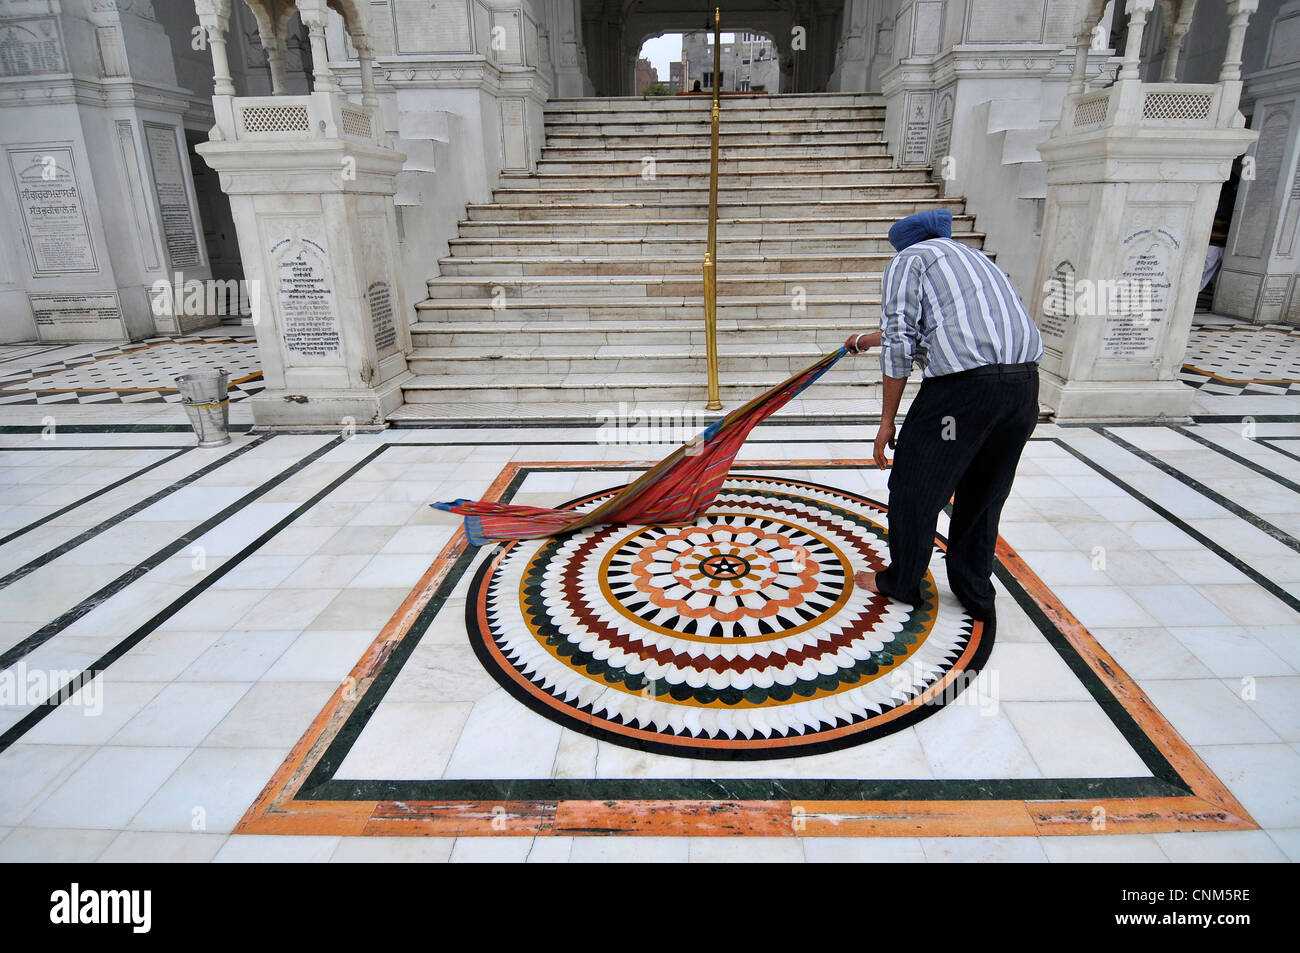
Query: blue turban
(935, 223)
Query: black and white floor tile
(139, 373)
(1234, 358)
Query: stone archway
(806, 33)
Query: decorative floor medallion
(741, 636)
(731, 639)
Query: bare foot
(867, 580)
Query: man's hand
(857, 343)
(884, 440)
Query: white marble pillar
(1138, 12)
(275, 48)
(317, 230)
(1259, 278)
(315, 16)
(214, 17)
(1175, 34)
(366, 65)
(1133, 179)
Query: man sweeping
(949, 310)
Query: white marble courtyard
(227, 594)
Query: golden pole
(711, 253)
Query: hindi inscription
(173, 196)
(53, 218)
(308, 320)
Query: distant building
(749, 62)
(676, 81)
(645, 75)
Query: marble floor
(276, 650)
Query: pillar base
(1078, 401)
(365, 409)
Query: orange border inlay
(277, 810)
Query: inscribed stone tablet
(308, 320)
(30, 46)
(173, 196)
(432, 26)
(54, 221)
(71, 317)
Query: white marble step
(610, 311)
(796, 101)
(810, 195)
(826, 151)
(739, 264)
(759, 108)
(913, 199)
(577, 414)
(695, 226)
(618, 123)
(701, 139)
(525, 363)
(695, 124)
(622, 387)
(823, 334)
(515, 288)
(823, 247)
(637, 165)
(670, 178)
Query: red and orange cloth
(674, 491)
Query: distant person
(696, 88)
(950, 310)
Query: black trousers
(961, 440)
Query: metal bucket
(203, 394)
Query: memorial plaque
(1291, 220)
(1284, 47)
(929, 21)
(54, 220)
(506, 37)
(1005, 21)
(30, 46)
(379, 296)
(1137, 306)
(514, 137)
(1256, 220)
(1236, 293)
(173, 196)
(943, 111)
(1273, 299)
(146, 228)
(88, 317)
(916, 130)
(1058, 25)
(440, 26)
(308, 319)
(1058, 305)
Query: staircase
(578, 288)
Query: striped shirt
(948, 308)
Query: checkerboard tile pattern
(144, 372)
(1244, 359)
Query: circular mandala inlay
(741, 636)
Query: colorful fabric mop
(674, 491)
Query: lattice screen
(1089, 112)
(1176, 106)
(275, 118)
